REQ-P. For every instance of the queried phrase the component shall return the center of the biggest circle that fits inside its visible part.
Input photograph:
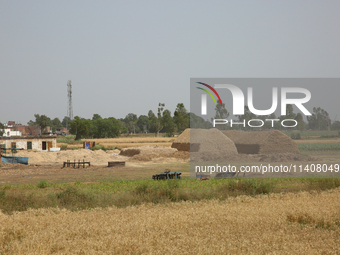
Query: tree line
(164, 122)
(97, 127)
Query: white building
(8, 132)
(43, 143)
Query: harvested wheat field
(302, 223)
(262, 142)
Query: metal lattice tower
(69, 96)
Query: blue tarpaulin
(14, 160)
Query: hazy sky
(127, 56)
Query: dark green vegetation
(77, 196)
(102, 147)
(318, 147)
(95, 128)
(99, 127)
(315, 134)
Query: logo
(239, 102)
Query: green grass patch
(43, 184)
(63, 147)
(319, 146)
(102, 147)
(317, 133)
(68, 139)
(79, 196)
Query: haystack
(148, 152)
(262, 142)
(182, 143)
(205, 144)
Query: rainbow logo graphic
(209, 93)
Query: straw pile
(148, 153)
(262, 142)
(205, 144)
(182, 143)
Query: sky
(127, 56)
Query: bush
(63, 147)
(295, 136)
(101, 147)
(42, 184)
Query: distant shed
(262, 142)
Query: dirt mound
(284, 157)
(182, 143)
(129, 152)
(212, 144)
(262, 142)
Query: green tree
(168, 123)
(336, 125)
(79, 127)
(143, 123)
(156, 121)
(131, 122)
(96, 117)
(181, 118)
(220, 113)
(2, 127)
(66, 121)
(40, 120)
(198, 122)
(105, 128)
(301, 124)
(152, 120)
(319, 120)
(55, 123)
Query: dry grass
(242, 225)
